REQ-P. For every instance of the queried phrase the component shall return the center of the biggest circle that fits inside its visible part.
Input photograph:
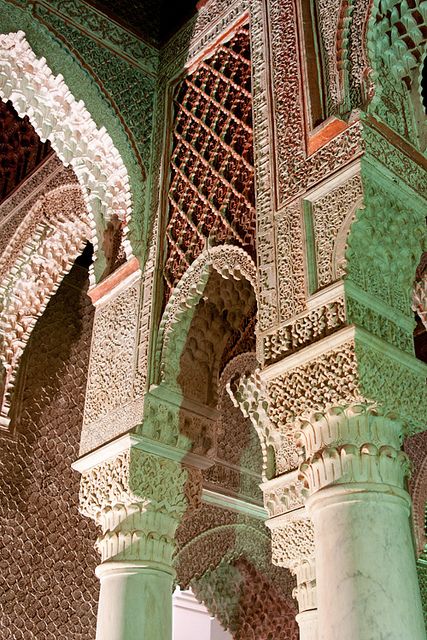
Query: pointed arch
(40, 253)
(227, 260)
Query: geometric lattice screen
(211, 194)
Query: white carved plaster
(419, 299)
(54, 231)
(56, 115)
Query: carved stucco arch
(227, 260)
(39, 254)
(29, 83)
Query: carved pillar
(292, 541)
(137, 499)
(354, 473)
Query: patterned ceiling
(154, 20)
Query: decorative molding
(348, 367)
(268, 312)
(105, 31)
(304, 329)
(353, 444)
(292, 539)
(283, 494)
(233, 504)
(138, 500)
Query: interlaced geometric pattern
(211, 195)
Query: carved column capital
(351, 444)
(138, 500)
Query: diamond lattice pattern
(211, 194)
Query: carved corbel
(292, 537)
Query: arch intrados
(41, 252)
(226, 542)
(55, 114)
(227, 260)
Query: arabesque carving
(329, 213)
(111, 372)
(304, 330)
(138, 500)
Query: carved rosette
(138, 500)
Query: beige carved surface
(303, 330)
(112, 354)
(15, 208)
(41, 251)
(328, 379)
(351, 444)
(138, 500)
(292, 542)
(329, 213)
(290, 260)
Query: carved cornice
(350, 366)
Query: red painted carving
(211, 192)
